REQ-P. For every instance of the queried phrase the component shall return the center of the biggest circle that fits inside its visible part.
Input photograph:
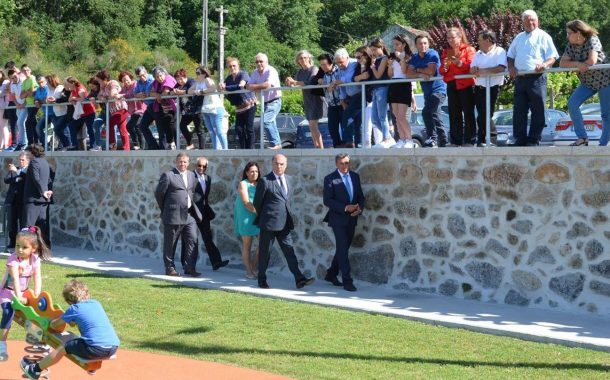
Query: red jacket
(449, 72)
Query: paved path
(540, 325)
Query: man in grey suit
(37, 192)
(274, 218)
(174, 195)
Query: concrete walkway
(540, 325)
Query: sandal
(580, 142)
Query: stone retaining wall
(518, 226)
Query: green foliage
(560, 87)
(292, 102)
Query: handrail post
(262, 119)
(488, 111)
(177, 123)
(363, 124)
(46, 126)
(107, 125)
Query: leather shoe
(172, 272)
(349, 287)
(263, 284)
(221, 264)
(333, 280)
(192, 273)
(305, 281)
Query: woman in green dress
(244, 214)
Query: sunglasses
(258, 61)
(202, 166)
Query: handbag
(78, 111)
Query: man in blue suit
(274, 218)
(345, 201)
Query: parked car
(504, 125)
(564, 130)
(286, 125)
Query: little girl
(21, 265)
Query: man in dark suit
(13, 203)
(274, 218)
(200, 197)
(345, 201)
(37, 191)
(174, 195)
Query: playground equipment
(36, 318)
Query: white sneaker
(385, 144)
(399, 144)
(409, 144)
(3, 354)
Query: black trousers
(481, 106)
(529, 95)
(171, 234)
(137, 137)
(210, 247)
(343, 238)
(30, 126)
(195, 118)
(145, 121)
(462, 124)
(36, 214)
(244, 128)
(13, 214)
(285, 241)
(166, 126)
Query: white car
(564, 129)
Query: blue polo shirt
(93, 323)
(347, 76)
(419, 62)
(145, 87)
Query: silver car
(503, 119)
(564, 130)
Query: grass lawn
(311, 342)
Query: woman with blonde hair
(583, 51)
(313, 103)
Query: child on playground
(21, 266)
(98, 339)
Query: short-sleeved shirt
(593, 79)
(88, 108)
(29, 84)
(269, 75)
(529, 49)
(93, 323)
(346, 75)
(114, 87)
(493, 58)
(25, 268)
(419, 62)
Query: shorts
(82, 349)
(7, 316)
(400, 93)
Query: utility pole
(221, 42)
(204, 34)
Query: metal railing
(263, 93)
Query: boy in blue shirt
(98, 339)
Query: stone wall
(518, 226)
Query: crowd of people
(138, 100)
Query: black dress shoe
(305, 281)
(333, 280)
(221, 264)
(172, 272)
(263, 284)
(192, 273)
(349, 287)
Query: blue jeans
(530, 94)
(213, 121)
(432, 119)
(271, 110)
(579, 96)
(379, 113)
(22, 116)
(352, 132)
(59, 127)
(98, 123)
(76, 125)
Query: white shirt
(529, 49)
(397, 70)
(16, 90)
(185, 178)
(56, 93)
(496, 56)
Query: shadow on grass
(95, 275)
(181, 348)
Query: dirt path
(134, 365)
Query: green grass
(311, 342)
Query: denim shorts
(80, 348)
(7, 316)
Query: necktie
(283, 184)
(186, 184)
(202, 182)
(348, 185)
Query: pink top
(26, 269)
(138, 107)
(111, 89)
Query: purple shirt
(25, 268)
(269, 75)
(168, 83)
